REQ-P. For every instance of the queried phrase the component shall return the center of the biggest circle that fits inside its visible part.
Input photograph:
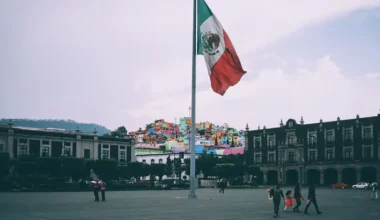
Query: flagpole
(193, 180)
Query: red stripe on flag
(227, 71)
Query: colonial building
(345, 151)
(58, 142)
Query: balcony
(368, 140)
(290, 162)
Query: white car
(361, 185)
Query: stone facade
(320, 153)
(57, 143)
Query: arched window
(144, 161)
(152, 161)
(160, 161)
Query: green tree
(138, 169)
(169, 167)
(187, 166)
(51, 167)
(207, 164)
(178, 169)
(73, 167)
(157, 170)
(4, 164)
(226, 170)
(232, 142)
(106, 169)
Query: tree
(73, 167)
(232, 142)
(207, 164)
(253, 170)
(169, 167)
(4, 164)
(216, 140)
(187, 166)
(120, 132)
(157, 170)
(138, 169)
(225, 170)
(51, 167)
(123, 171)
(228, 142)
(178, 169)
(106, 169)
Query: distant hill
(63, 124)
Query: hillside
(63, 124)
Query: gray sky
(124, 62)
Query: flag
(223, 64)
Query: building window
(367, 134)
(257, 143)
(144, 161)
(23, 149)
(45, 151)
(271, 142)
(67, 144)
(105, 154)
(257, 158)
(291, 157)
(312, 138)
(271, 158)
(160, 161)
(45, 142)
(348, 153)
(105, 146)
(152, 161)
(1, 147)
(330, 136)
(67, 152)
(312, 156)
(87, 153)
(122, 156)
(367, 153)
(23, 140)
(329, 155)
(291, 139)
(347, 134)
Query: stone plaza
(239, 204)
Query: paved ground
(165, 205)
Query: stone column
(79, 147)
(10, 143)
(265, 178)
(339, 172)
(96, 156)
(358, 175)
(322, 177)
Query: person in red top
(103, 190)
(96, 187)
(289, 200)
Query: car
(339, 185)
(361, 185)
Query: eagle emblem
(210, 42)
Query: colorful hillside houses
(160, 136)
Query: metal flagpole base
(192, 196)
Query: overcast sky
(124, 62)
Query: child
(289, 200)
(103, 190)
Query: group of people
(276, 194)
(99, 185)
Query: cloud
(323, 92)
(118, 62)
(372, 75)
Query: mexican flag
(222, 62)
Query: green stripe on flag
(204, 13)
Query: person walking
(96, 190)
(222, 186)
(103, 191)
(297, 196)
(276, 194)
(312, 199)
(289, 200)
(375, 188)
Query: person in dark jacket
(222, 186)
(297, 196)
(276, 193)
(312, 199)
